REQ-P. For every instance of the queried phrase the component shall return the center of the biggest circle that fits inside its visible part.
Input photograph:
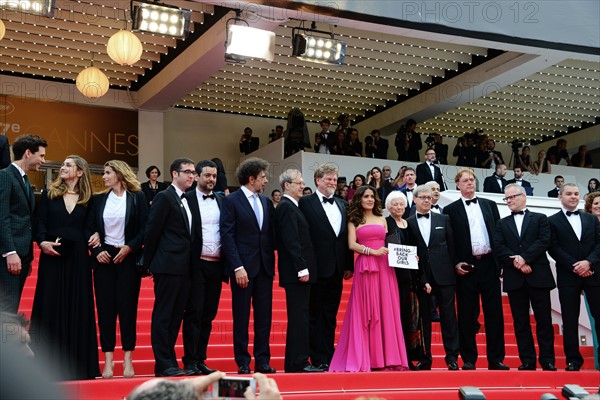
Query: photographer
(489, 158)
(465, 151)
(248, 143)
(276, 134)
(441, 149)
(408, 142)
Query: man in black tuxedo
(207, 270)
(473, 219)
(325, 140)
(520, 245)
(428, 171)
(167, 252)
(435, 248)
(496, 183)
(408, 142)
(376, 146)
(558, 182)
(247, 240)
(17, 204)
(297, 270)
(410, 184)
(576, 249)
(326, 217)
(248, 143)
(4, 152)
(518, 179)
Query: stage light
(319, 49)
(44, 8)
(244, 42)
(161, 20)
(470, 393)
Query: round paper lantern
(124, 48)
(92, 83)
(2, 29)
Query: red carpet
(437, 384)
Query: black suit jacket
(136, 213)
(531, 245)
(566, 249)
(490, 184)
(168, 240)
(424, 175)
(4, 152)
(247, 146)
(460, 226)
(435, 260)
(415, 144)
(553, 193)
(244, 244)
(295, 249)
(524, 183)
(332, 252)
(379, 152)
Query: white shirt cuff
(302, 273)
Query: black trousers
(404, 290)
(117, 289)
(325, 297)
(482, 281)
(11, 286)
(259, 294)
(201, 309)
(448, 321)
(570, 304)
(297, 343)
(170, 296)
(540, 303)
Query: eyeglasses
(507, 198)
(298, 182)
(424, 198)
(188, 172)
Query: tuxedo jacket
(532, 245)
(243, 243)
(168, 240)
(460, 226)
(435, 259)
(415, 144)
(379, 152)
(566, 249)
(331, 251)
(553, 193)
(136, 213)
(16, 214)
(490, 184)
(192, 199)
(247, 146)
(294, 247)
(424, 175)
(524, 183)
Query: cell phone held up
(468, 267)
(231, 388)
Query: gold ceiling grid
(562, 96)
(61, 47)
(379, 68)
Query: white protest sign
(401, 256)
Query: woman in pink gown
(371, 336)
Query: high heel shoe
(109, 365)
(128, 371)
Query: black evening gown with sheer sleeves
(63, 326)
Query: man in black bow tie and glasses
(575, 246)
(473, 220)
(521, 240)
(207, 270)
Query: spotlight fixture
(318, 46)
(242, 42)
(44, 8)
(160, 19)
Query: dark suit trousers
(448, 322)
(201, 309)
(11, 286)
(325, 297)
(297, 344)
(405, 312)
(170, 296)
(484, 281)
(570, 303)
(541, 305)
(117, 289)
(259, 293)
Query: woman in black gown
(63, 327)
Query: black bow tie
(435, 206)
(328, 200)
(473, 200)
(208, 196)
(518, 212)
(569, 213)
(182, 196)
(409, 190)
(519, 180)
(422, 215)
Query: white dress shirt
(114, 219)
(185, 206)
(211, 234)
(575, 222)
(334, 214)
(480, 240)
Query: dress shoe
(173, 371)
(468, 366)
(243, 369)
(412, 367)
(324, 367)
(572, 367)
(453, 366)
(204, 369)
(498, 366)
(311, 368)
(548, 367)
(192, 369)
(423, 366)
(526, 367)
(265, 369)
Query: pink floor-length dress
(371, 336)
